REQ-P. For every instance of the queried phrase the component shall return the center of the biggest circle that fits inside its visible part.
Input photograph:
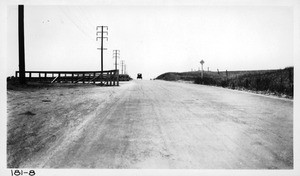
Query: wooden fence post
(94, 77)
(117, 77)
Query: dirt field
(148, 124)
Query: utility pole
(22, 79)
(122, 66)
(116, 55)
(101, 32)
(202, 62)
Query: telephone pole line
(101, 32)
(122, 64)
(124, 68)
(116, 56)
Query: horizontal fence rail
(108, 77)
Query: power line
(101, 49)
(87, 17)
(77, 25)
(116, 56)
(122, 64)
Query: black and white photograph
(150, 87)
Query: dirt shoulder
(40, 115)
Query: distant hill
(280, 81)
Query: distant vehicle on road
(139, 76)
(124, 77)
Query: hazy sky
(154, 39)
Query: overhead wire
(87, 18)
(80, 19)
(78, 26)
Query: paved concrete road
(159, 124)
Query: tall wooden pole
(101, 50)
(21, 45)
(116, 60)
(101, 74)
(122, 66)
(116, 55)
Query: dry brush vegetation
(276, 82)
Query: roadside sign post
(201, 62)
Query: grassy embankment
(275, 82)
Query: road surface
(160, 124)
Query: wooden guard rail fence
(108, 78)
